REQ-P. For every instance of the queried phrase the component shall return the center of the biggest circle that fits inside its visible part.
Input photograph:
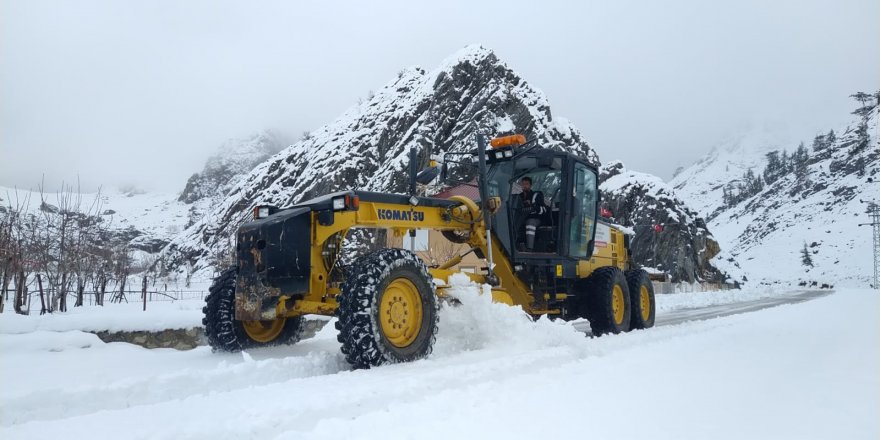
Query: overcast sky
(142, 92)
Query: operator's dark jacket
(535, 201)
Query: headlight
(508, 153)
(338, 203)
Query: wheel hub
(645, 303)
(618, 306)
(400, 312)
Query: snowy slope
(494, 374)
(701, 184)
(366, 147)
(763, 236)
(232, 161)
(147, 220)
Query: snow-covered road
(807, 370)
(688, 314)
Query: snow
(773, 373)
(654, 187)
(693, 300)
(629, 177)
(160, 315)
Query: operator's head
(526, 183)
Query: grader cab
(289, 261)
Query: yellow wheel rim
(264, 331)
(618, 306)
(400, 312)
(645, 303)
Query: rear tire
(225, 333)
(387, 310)
(644, 306)
(606, 301)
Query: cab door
(582, 211)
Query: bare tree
(14, 248)
(86, 251)
(121, 264)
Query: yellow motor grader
(289, 261)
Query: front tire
(387, 310)
(225, 333)
(606, 301)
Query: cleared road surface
(711, 312)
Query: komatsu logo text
(395, 214)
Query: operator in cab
(533, 204)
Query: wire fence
(171, 295)
(131, 296)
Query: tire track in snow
(53, 403)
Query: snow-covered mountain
(435, 111)
(366, 148)
(791, 213)
(234, 159)
(728, 161)
(669, 236)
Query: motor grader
(289, 261)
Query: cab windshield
(535, 213)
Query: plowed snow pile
(478, 323)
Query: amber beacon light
(505, 141)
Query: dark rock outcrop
(669, 236)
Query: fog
(141, 93)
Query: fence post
(144, 293)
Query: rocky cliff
(669, 236)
